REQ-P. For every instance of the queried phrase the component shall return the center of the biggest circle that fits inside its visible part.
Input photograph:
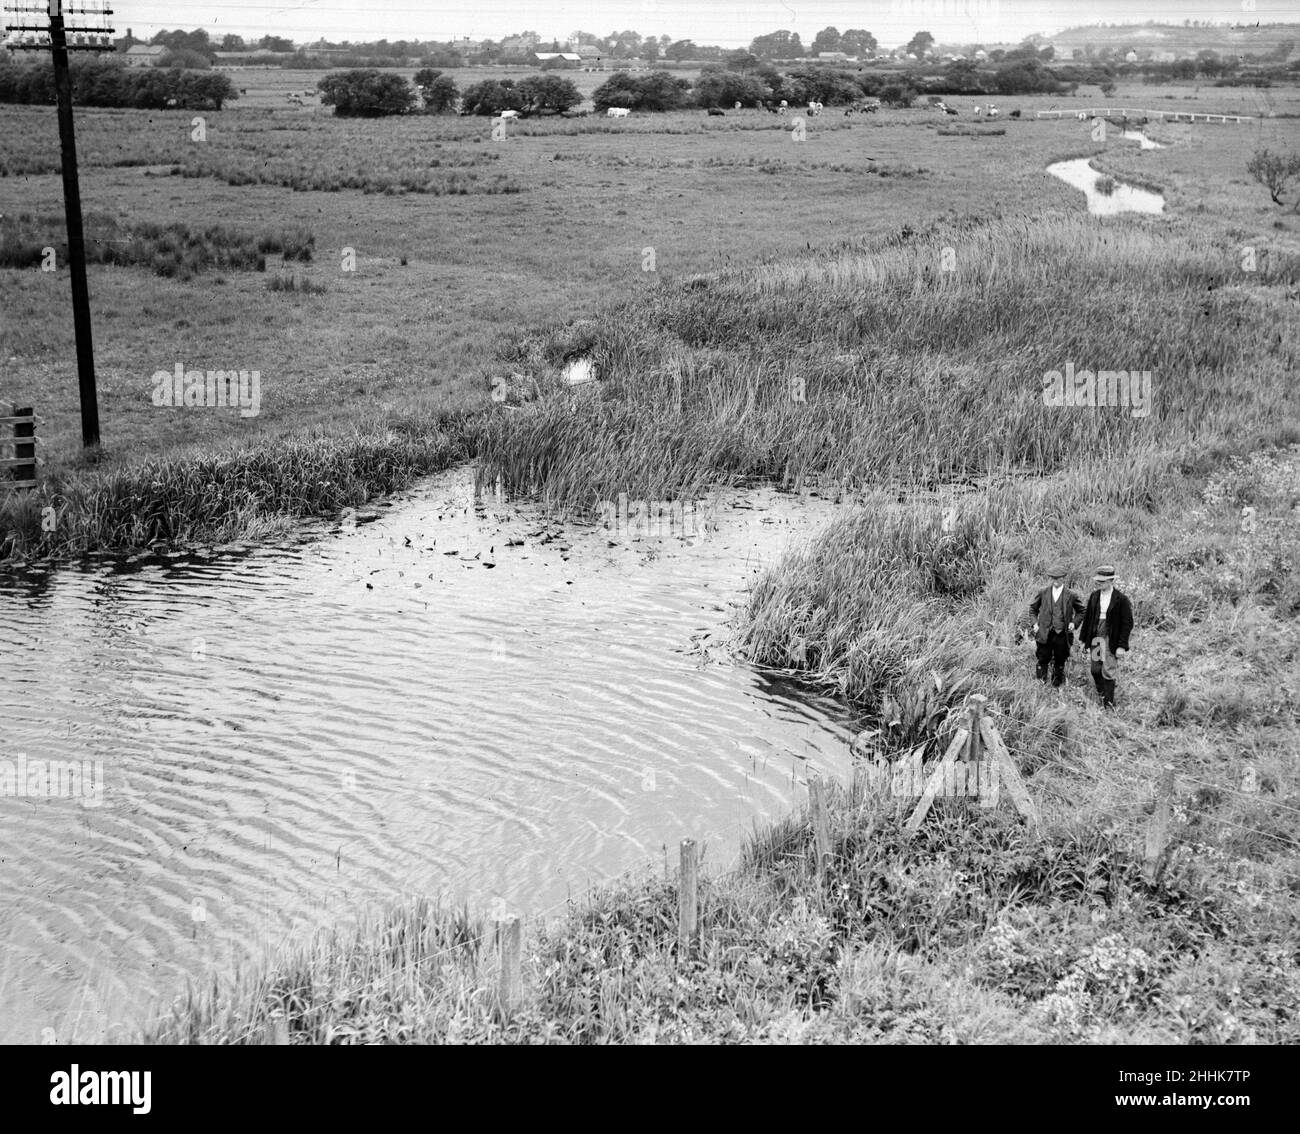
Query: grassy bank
(235, 494)
(978, 930)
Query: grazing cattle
(243, 90)
(737, 106)
(617, 112)
(1082, 116)
(1015, 113)
(508, 114)
(814, 108)
(978, 110)
(949, 110)
(994, 112)
(171, 102)
(717, 112)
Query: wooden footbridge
(1130, 112)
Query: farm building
(568, 58)
(142, 56)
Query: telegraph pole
(98, 39)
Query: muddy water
(286, 734)
(1124, 199)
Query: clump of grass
(1105, 185)
(174, 250)
(288, 281)
(220, 497)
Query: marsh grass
(908, 374)
(289, 281)
(173, 250)
(223, 496)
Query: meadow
(913, 285)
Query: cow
(617, 112)
(814, 109)
(994, 112)
(978, 110)
(508, 114)
(737, 105)
(717, 112)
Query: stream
(452, 700)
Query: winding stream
(287, 734)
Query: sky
(729, 23)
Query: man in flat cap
(1056, 610)
(1107, 623)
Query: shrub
(366, 94)
(491, 96)
(437, 90)
(1274, 171)
(547, 92)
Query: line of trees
(108, 82)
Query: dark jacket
(1041, 608)
(1119, 619)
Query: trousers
(1053, 653)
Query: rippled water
(287, 734)
(1124, 199)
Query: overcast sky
(730, 23)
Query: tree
(1274, 172)
(897, 94)
(743, 61)
(680, 50)
(491, 97)
(366, 93)
(183, 59)
(726, 88)
(274, 43)
(828, 39)
(540, 93)
(859, 42)
(919, 44)
(777, 45)
(233, 43)
(662, 90)
(436, 89)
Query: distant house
(520, 45)
(837, 57)
(567, 58)
(142, 56)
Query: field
(821, 266)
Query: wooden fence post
(821, 824)
(935, 784)
(511, 986)
(1158, 828)
(1007, 772)
(974, 752)
(688, 899)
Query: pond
(450, 700)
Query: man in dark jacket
(1056, 610)
(1107, 623)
